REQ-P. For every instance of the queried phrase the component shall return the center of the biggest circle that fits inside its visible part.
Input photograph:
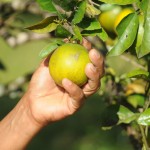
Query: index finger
(86, 44)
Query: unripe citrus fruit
(122, 14)
(69, 61)
(107, 18)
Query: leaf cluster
(73, 19)
(79, 19)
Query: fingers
(75, 93)
(86, 44)
(97, 60)
(94, 72)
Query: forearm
(18, 128)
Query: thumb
(75, 92)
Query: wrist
(18, 127)
(28, 114)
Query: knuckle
(95, 86)
(81, 96)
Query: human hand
(48, 102)
(45, 102)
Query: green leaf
(144, 118)
(77, 33)
(61, 32)
(144, 5)
(138, 72)
(92, 11)
(47, 5)
(119, 2)
(145, 46)
(136, 100)
(125, 115)
(127, 31)
(89, 24)
(103, 35)
(79, 13)
(48, 49)
(140, 33)
(94, 25)
(46, 25)
(100, 33)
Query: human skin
(44, 102)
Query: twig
(146, 107)
(146, 94)
(147, 90)
(144, 138)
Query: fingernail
(96, 54)
(92, 68)
(67, 82)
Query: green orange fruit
(107, 18)
(69, 61)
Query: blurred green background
(19, 51)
